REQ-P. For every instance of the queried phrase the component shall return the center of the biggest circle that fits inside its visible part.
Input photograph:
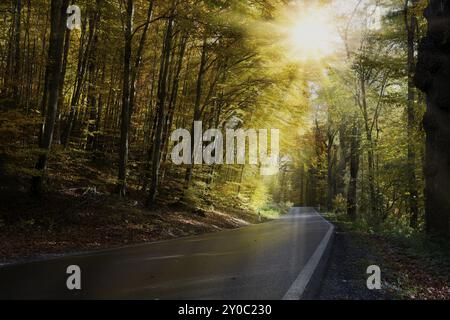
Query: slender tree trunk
(27, 60)
(96, 135)
(197, 111)
(17, 75)
(330, 166)
(92, 95)
(57, 134)
(373, 205)
(83, 62)
(343, 160)
(160, 107)
(173, 98)
(138, 59)
(354, 170)
(125, 118)
(14, 63)
(311, 187)
(41, 74)
(301, 179)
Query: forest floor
(411, 268)
(80, 212)
(59, 223)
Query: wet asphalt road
(258, 262)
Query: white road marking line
(297, 289)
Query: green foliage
(339, 204)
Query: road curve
(259, 262)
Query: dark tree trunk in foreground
(432, 77)
(53, 73)
(411, 26)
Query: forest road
(258, 262)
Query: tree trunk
(138, 59)
(12, 74)
(173, 99)
(432, 77)
(354, 170)
(160, 109)
(96, 142)
(330, 176)
(373, 205)
(125, 118)
(92, 95)
(17, 75)
(57, 134)
(197, 111)
(343, 160)
(83, 60)
(54, 61)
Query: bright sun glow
(308, 34)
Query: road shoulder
(406, 273)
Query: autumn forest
(90, 97)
